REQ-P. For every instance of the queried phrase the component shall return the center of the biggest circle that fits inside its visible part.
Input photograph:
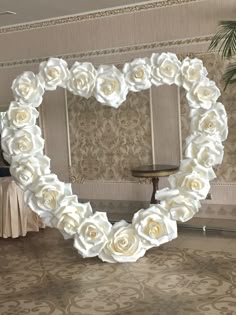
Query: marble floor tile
(42, 274)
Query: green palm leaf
(225, 41)
(229, 76)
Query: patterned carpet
(42, 274)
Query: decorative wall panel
(106, 143)
(226, 172)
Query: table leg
(155, 181)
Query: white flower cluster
(53, 200)
(204, 149)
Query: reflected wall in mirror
(226, 172)
(106, 143)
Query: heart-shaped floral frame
(53, 200)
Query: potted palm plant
(225, 41)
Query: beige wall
(183, 27)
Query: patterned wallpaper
(226, 172)
(106, 143)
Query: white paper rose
(182, 207)
(165, 193)
(165, 69)
(138, 74)
(19, 116)
(192, 72)
(110, 88)
(92, 235)
(124, 244)
(54, 73)
(28, 89)
(192, 165)
(82, 79)
(154, 227)
(194, 184)
(27, 169)
(208, 150)
(70, 214)
(46, 195)
(22, 141)
(203, 94)
(212, 122)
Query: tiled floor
(42, 274)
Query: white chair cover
(16, 219)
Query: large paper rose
(194, 184)
(192, 72)
(54, 73)
(203, 94)
(22, 141)
(46, 195)
(110, 88)
(19, 116)
(92, 235)
(82, 79)
(138, 74)
(212, 122)
(181, 207)
(190, 165)
(164, 193)
(165, 69)
(208, 150)
(28, 168)
(154, 227)
(124, 244)
(70, 214)
(28, 89)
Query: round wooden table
(154, 172)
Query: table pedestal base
(155, 181)
(154, 171)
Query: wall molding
(95, 15)
(222, 194)
(116, 50)
(68, 137)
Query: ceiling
(36, 10)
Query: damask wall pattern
(226, 172)
(106, 143)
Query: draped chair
(16, 218)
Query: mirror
(106, 143)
